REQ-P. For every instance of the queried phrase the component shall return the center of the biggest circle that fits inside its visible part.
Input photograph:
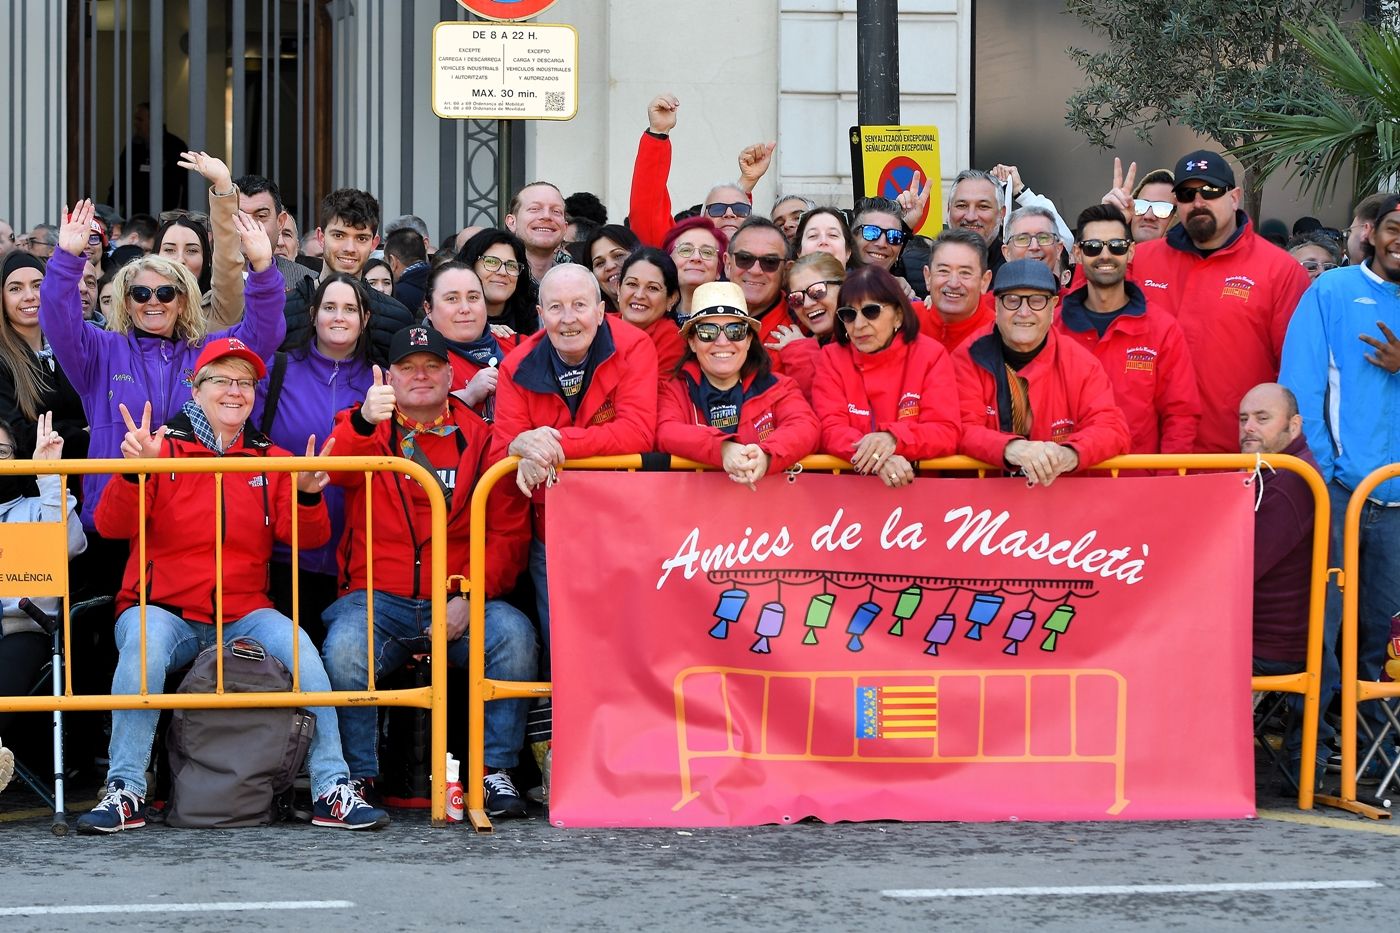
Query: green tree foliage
(1350, 118)
(1202, 64)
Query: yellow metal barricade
(1354, 690)
(43, 537)
(1307, 682)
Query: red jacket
(1071, 401)
(907, 389)
(798, 359)
(616, 416)
(1145, 358)
(180, 574)
(649, 207)
(1233, 307)
(670, 346)
(463, 369)
(403, 518)
(774, 415)
(951, 336)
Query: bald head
(568, 276)
(1269, 419)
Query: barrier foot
(480, 822)
(1353, 806)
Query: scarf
(413, 428)
(199, 423)
(481, 350)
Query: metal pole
(312, 151)
(265, 165)
(301, 116)
(877, 61)
(406, 101)
(83, 189)
(157, 146)
(274, 80)
(117, 126)
(237, 161)
(199, 92)
(131, 206)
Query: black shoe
(502, 799)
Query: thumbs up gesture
(379, 400)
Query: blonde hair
(825, 264)
(191, 325)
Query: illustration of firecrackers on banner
(1057, 625)
(728, 609)
(905, 607)
(1018, 630)
(940, 632)
(770, 625)
(818, 615)
(860, 623)
(981, 613)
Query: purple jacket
(314, 389)
(109, 369)
(1283, 532)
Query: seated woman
(724, 406)
(456, 306)
(31, 380)
(608, 246)
(697, 247)
(307, 387)
(647, 292)
(180, 576)
(498, 259)
(887, 396)
(813, 281)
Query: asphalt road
(808, 876)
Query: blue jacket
(1350, 408)
(109, 369)
(314, 389)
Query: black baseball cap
(418, 339)
(1204, 165)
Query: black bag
(228, 766)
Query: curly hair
(191, 325)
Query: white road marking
(1092, 890)
(215, 907)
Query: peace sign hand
(914, 201)
(1121, 194)
(140, 443)
(312, 483)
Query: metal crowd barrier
(47, 535)
(1354, 690)
(1307, 682)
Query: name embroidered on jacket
(852, 409)
(1143, 359)
(1149, 283)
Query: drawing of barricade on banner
(1067, 716)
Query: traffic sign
(507, 11)
(884, 160)
(502, 71)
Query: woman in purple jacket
(304, 389)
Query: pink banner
(956, 650)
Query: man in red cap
(181, 584)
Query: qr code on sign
(553, 101)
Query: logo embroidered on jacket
(1062, 427)
(122, 377)
(606, 412)
(1237, 286)
(1143, 359)
(256, 481)
(763, 425)
(908, 406)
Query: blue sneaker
(342, 807)
(118, 809)
(502, 799)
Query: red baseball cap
(223, 347)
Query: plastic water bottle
(455, 796)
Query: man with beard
(1231, 291)
(1141, 347)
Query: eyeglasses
(745, 260)
(223, 382)
(1117, 246)
(870, 312)
(7, 452)
(142, 293)
(689, 251)
(1313, 267)
(740, 208)
(1023, 240)
(495, 264)
(813, 293)
(1160, 209)
(872, 232)
(1209, 192)
(708, 331)
(1034, 302)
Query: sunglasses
(690, 251)
(1160, 209)
(870, 312)
(740, 208)
(1209, 192)
(142, 293)
(813, 293)
(1023, 240)
(94, 239)
(1116, 246)
(872, 232)
(745, 260)
(496, 263)
(708, 331)
(1034, 302)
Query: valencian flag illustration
(954, 650)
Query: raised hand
(1003, 172)
(212, 168)
(76, 228)
(379, 400)
(311, 483)
(140, 443)
(1121, 194)
(661, 113)
(783, 335)
(49, 444)
(753, 163)
(914, 201)
(253, 241)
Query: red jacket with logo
(907, 389)
(1070, 396)
(1233, 307)
(951, 336)
(774, 415)
(1145, 358)
(616, 416)
(180, 543)
(403, 517)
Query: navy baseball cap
(1025, 273)
(1204, 165)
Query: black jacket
(386, 318)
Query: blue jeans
(400, 631)
(171, 643)
(1377, 600)
(539, 575)
(1293, 740)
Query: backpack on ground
(229, 766)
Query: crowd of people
(1162, 321)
